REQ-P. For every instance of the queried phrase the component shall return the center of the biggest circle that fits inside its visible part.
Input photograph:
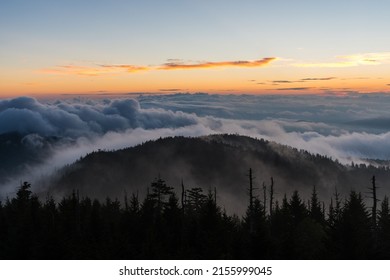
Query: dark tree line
(162, 226)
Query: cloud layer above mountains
(75, 119)
(354, 126)
(349, 128)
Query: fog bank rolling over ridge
(350, 128)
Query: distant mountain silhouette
(215, 161)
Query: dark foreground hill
(216, 161)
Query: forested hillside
(216, 161)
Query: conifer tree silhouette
(316, 212)
(157, 228)
(383, 230)
(355, 228)
(160, 192)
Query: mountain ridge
(214, 161)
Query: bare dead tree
(265, 197)
(271, 196)
(373, 190)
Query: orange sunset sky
(255, 47)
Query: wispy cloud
(172, 64)
(171, 89)
(175, 65)
(295, 88)
(350, 60)
(304, 80)
(283, 82)
(126, 67)
(77, 70)
(318, 79)
(93, 71)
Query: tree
(251, 189)
(195, 199)
(315, 208)
(297, 208)
(173, 221)
(24, 216)
(160, 192)
(23, 194)
(271, 196)
(280, 230)
(250, 213)
(3, 233)
(134, 204)
(70, 224)
(374, 203)
(211, 230)
(355, 226)
(265, 197)
(383, 230)
(256, 231)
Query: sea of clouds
(353, 127)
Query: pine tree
(315, 208)
(355, 227)
(172, 229)
(210, 222)
(23, 195)
(383, 230)
(297, 208)
(134, 204)
(195, 199)
(331, 214)
(160, 192)
(256, 226)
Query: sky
(314, 75)
(241, 47)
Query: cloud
(283, 82)
(295, 88)
(276, 82)
(126, 67)
(172, 64)
(351, 60)
(78, 70)
(77, 119)
(94, 71)
(171, 89)
(346, 147)
(328, 108)
(223, 64)
(319, 79)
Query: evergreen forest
(191, 225)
